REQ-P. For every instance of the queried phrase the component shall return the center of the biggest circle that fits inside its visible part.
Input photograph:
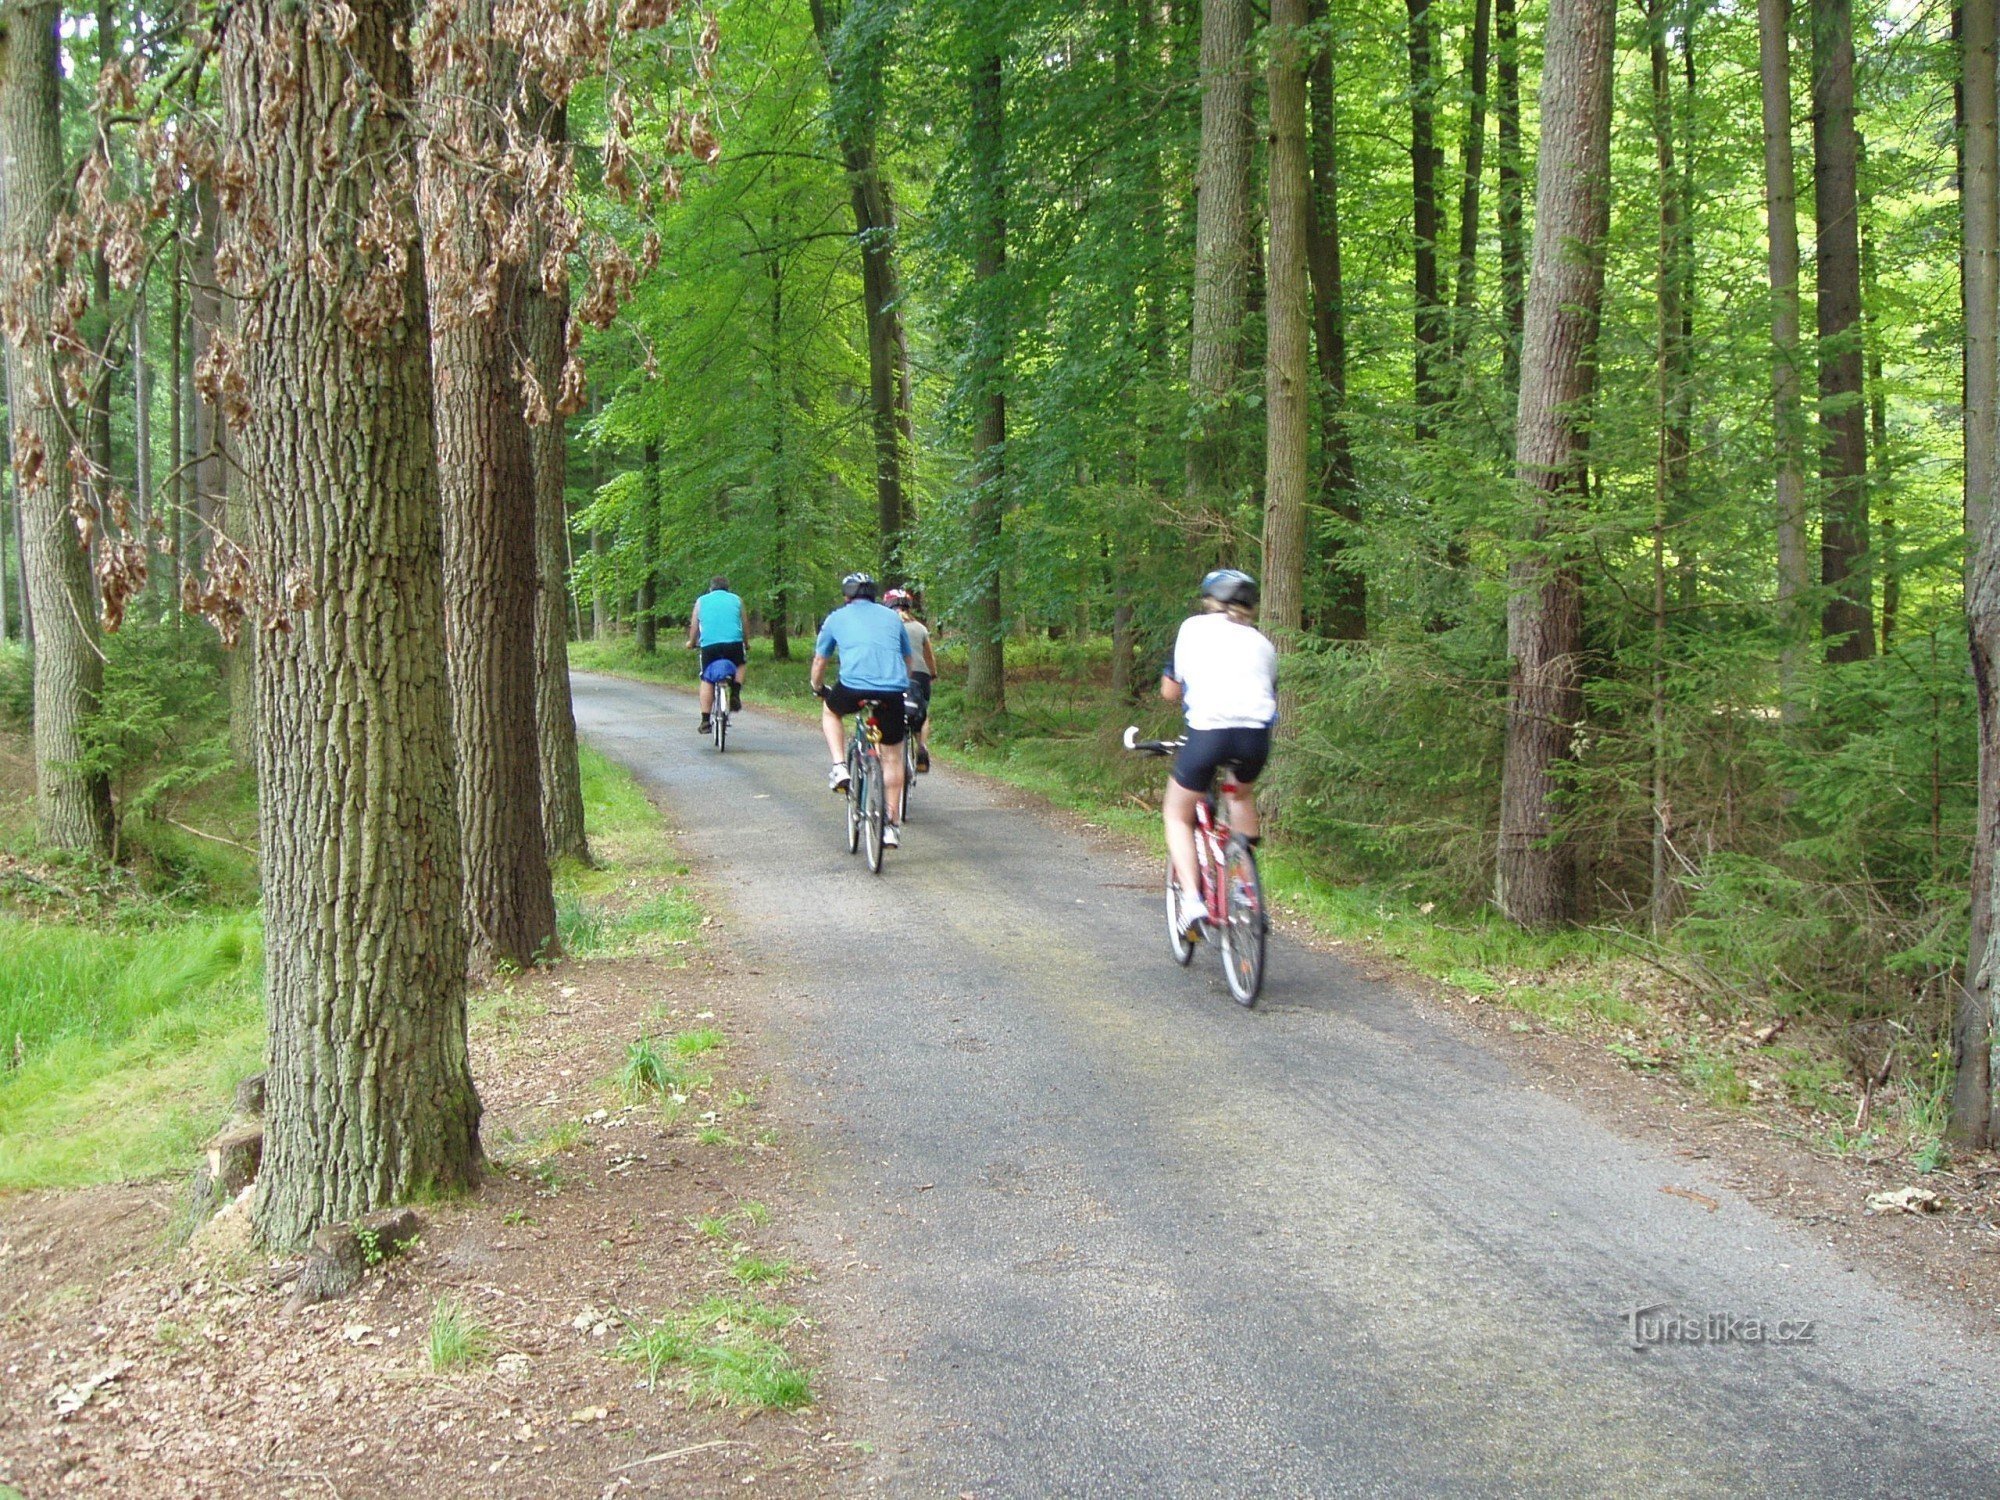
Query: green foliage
(723, 1349)
(457, 1339)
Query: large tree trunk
(1221, 254)
(1429, 310)
(370, 1093)
(1536, 864)
(486, 485)
(1973, 1023)
(1474, 157)
(856, 90)
(544, 332)
(1781, 216)
(72, 803)
(985, 650)
(1847, 619)
(1287, 432)
(1346, 616)
(1513, 261)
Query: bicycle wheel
(721, 729)
(873, 814)
(1183, 950)
(854, 795)
(909, 778)
(1243, 931)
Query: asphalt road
(1130, 1239)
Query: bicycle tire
(1182, 949)
(873, 814)
(853, 803)
(1244, 923)
(721, 732)
(909, 780)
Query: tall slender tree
(1847, 618)
(72, 795)
(1288, 439)
(1473, 160)
(1536, 864)
(370, 1090)
(1513, 257)
(1221, 251)
(985, 651)
(1782, 238)
(1429, 314)
(1346, 612)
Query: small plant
(712, 1226)
(711, 1135)
(739, 1099)
(516, 1218)
(754, 1270)
(724, 1351)
(646, 1070)
(457, 1339)
(371, 1246)
(756, 1215)
(695, 1043)
(1932, 1156)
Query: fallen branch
(660, 1458)
(198, 833)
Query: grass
(457, 1340)
(723, 1349)
(595, 917)
(651, 1072)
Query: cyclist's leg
(836, 737)
(707, 697)
(1249, 749)
(890, 717)
(1178, 815)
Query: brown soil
(219, 1391)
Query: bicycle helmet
(857, 586)
(899, 599)
(1230, 586)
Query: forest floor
(627, 1212)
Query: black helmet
(1230, 586)
(857, 586)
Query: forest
(1607, 399)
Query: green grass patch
(723, 1349)
(755, 1270)
(595, 915)
(457, 1339)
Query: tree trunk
(600, 600)
(1468, 192)
(206, 316)
(1973, 1022)
(1288, 321)
(1888, 563)
(104, 361)
(72, 802)
(1536, 864)
(1429, 314)
(1781, 214)
(1346, 616)
(1221, 255)
(856, 95)
(1847, 618)
(1513, 261)
(544, 333)
(985, 649)
(646, 627)
(486, 487)
(370, 1093)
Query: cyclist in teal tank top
(715, 624)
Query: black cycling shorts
(731, 651)
(844, 700)
(920, 694)
(1207, 750)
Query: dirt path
(599, 1217)
(1114, 1235)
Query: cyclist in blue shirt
(875, 661)
(716, 626)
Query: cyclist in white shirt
(1224, 674)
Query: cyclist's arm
(694, 628)
(818, 678)
(1171, 689)
(930, 658)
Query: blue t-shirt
(871, 643)
(721, 617)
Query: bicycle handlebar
(1149, 747)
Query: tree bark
(1513, 260)
(1429, 309)
(1972, 1118)
(72, 802)
(1346, 616)
(1288, 321)
(856, 98)
(1468, 193)
(370, 1093)
(985, 649)
(544, 335)
(1536, 863)
(1221, 254)
(1787, 435)
(1847, 619)
(486, 486)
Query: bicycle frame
(1211, 847)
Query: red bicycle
(1232, 893)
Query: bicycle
(914, 715)
(867, 795)
(1232, 892)
(718, 718)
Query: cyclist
(715, 624)
(923, 668)
(875, 662)
(1224, 674)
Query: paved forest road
(1136, 1240)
